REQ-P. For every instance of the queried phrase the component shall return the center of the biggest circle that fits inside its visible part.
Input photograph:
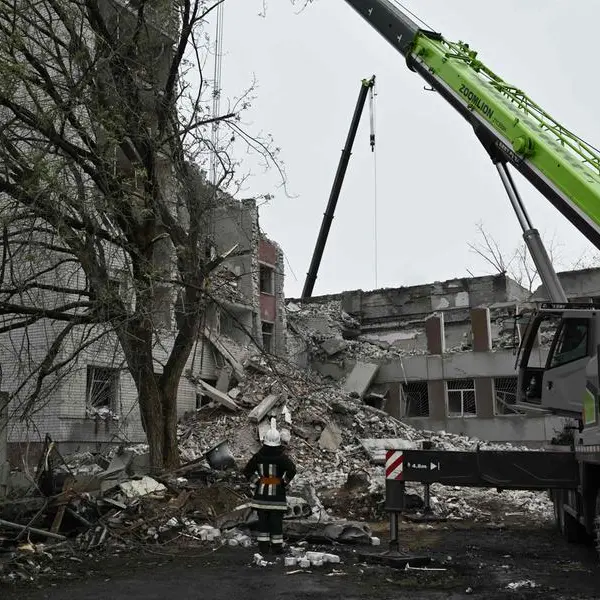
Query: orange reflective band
(269, 480)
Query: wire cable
(412, 14)
(372, 96)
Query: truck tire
(568, 525)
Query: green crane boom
(512, 127)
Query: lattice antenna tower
(218, 49)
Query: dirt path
(479, 562)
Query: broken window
(416, 399)
(102, 387)
(461, 397)
(505, 395)
(267, 336)
(267, 280)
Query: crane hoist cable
(372, 96)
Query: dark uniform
(271, 471)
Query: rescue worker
(271, 470)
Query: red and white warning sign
(394, 464)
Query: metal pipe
(394, 544)
(427, 499)
(533, 240)
(311, 276)
(515, 198)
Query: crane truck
(518, 134)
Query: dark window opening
(416, 398)
(267, 336)
(505, 395)
(267, 280)
(102, 387)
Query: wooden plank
(258, 413)
(218, 396)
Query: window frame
(113, 403)
(461, 391)
(558, 340)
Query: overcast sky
(434, 181)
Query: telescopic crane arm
(512, 128)
(311, 277)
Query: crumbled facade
(444, 353)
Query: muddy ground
(479, 560)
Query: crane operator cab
(557, 346)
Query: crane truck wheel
(568, 525)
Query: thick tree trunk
(170, 447)
(152, 419)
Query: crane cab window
(571, 343)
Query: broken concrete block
(258, 413)
(141, 487)
(333, 346)
(234, 393)
(360, 378)
(220, 397)
(331, 438)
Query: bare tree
(104, 216)
(518, 264)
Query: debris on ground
(519, 585)
(90, 501)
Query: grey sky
(434, 180)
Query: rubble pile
(88, 502)
(331, 333)
(329, 435)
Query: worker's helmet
(272, 437)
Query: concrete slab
(333, 346)
(218, 396)
(360, 378)
(226, 353)
(376, 448)
(258, 413)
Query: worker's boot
(263, 548)
(277, 548)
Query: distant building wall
(581, 285)
(379, 309)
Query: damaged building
(96, 401)
(440, 356)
